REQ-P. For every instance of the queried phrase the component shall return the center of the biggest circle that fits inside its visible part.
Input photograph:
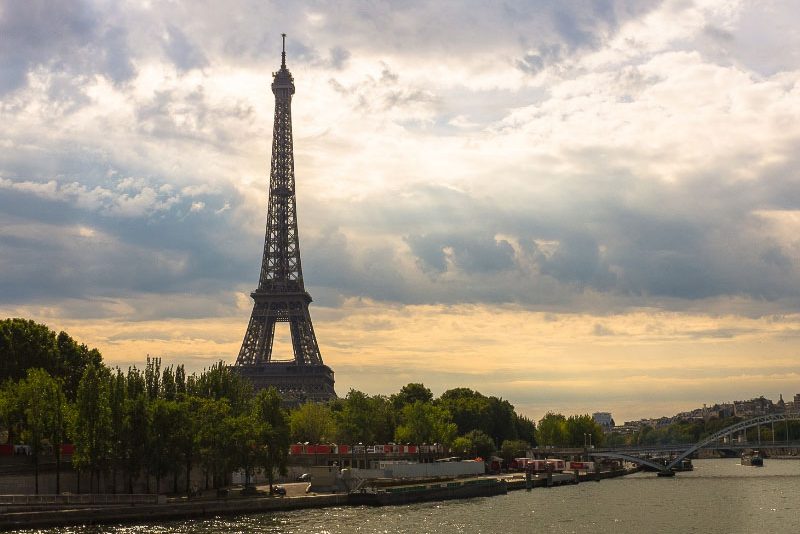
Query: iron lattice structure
(281, 295)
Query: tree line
(159, 422)
(153, 422)
(466, 421)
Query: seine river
(718, 496)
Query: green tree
(73, 360)
(243, 435)
(273, 433)
(41, 402)
(474, 442)
(312, 422)
(11, 415)
(221, 382)
(133, 444)
(117, 398)
(422, 422)
(409, 394)
(552, 430)
(25, 345)
(470, 410)
(582, 430)
(187, 439)
(164, 439)
(92, 424)
(503, 420)
(526, 429)
(354, 419)
(213, 441)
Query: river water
(719, 496)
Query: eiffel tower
(281, 295)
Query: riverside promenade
(59, 515)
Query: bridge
(682, 451)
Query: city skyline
(579, 207)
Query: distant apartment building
(605, 421)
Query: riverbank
(133, 513)
(95, 515)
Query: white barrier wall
(435, 469)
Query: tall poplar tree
(92, 425)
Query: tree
(354, 419)
(25, 345)
(526, 429)
(212, 438)
(475, 442)
(552, 430)
(187, 439)
(579, 428)
(470, 410)
(409, 394)
(73, 360)
(312, 422)
(273, 432)
(117, 400)
(164, 439)
(220, 382)
(92, 424)
(133, 444)
(422, 422)
(243, 433)
(11, 414)
(40, 401)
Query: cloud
(564, 158)
(183, 54)
(71, 39)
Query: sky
(577, 206)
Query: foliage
(363, 419)
(474, 443)
(41, 403)
(422, 422)
(552, 430)
(92, 424)
(272, 433)
(312, 422)
(526, 429)
(26, 345)
(409, 394)
(492, 415)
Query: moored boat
(754, 459)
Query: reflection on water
(718, 496)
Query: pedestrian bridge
(631, 456)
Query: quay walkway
(137, 512)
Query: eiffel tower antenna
(281, 294)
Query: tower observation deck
(281, 294)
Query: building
(605, 421)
